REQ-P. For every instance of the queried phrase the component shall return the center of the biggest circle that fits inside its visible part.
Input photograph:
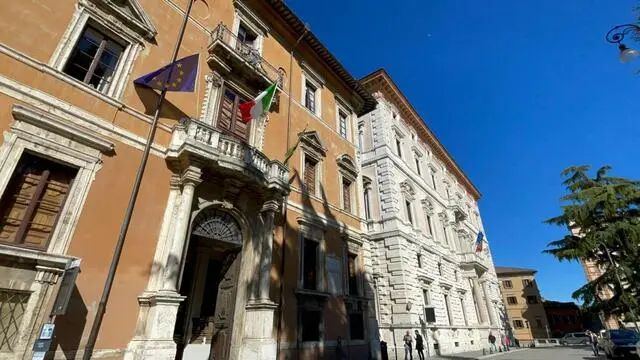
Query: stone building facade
(523, 303)
(422, 220)
(230, 251)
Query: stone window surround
(42, 134)
(347, 171)
(354, 246)
(244, 16)
(428, 210)
(130, 34)
(313, 229)
(214, 85)
(312, 147)
(309, 75)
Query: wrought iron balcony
(193, 139)
(230, 55)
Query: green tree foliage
(601, 213)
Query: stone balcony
(232, 57)
(193, 141)
(473, 261)
(458, 210)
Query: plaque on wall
(334, 271)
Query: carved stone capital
(191, 175)
(48, 275)
(214, 78)
(270, 206)
(175, 182)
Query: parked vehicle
(576, 338)
(620, 342)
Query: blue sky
(516, 91)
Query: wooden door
(224, 310)
(229, 116)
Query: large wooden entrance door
(224, 310)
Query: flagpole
(102, 306)
(286, 198)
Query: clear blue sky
(516, 91)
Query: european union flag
(183, 76)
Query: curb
(500, 354)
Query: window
(94, 59)
(361, 137)
(246, 39)
(512, 300)
(310, 92)
(507, 284)
(464, 313)
(407, 205)
(532, 299)
(367, 203)
(433, 180)
(346, 195)
(342, 124)
(446, 305)
(311, 322)
(527, 283)
(426, 298)
(448, 193)
(13, 305)
(310, 265)
(456, 275)
(440, 269)
(417, 160)
(356, 326)
(352, 269)
(518, 324)
(419, 258)
(398, 148)
(310, 170)
(429, 226)
(446, 236)
(229, 116)
(32, 201)
(539, 323)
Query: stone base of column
(153, 337)
(259, 342)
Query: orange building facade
(230, 253)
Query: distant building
(525, 313)
(592, 272)
(563, 317)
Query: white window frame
(310, 76)
(318, 176)
(347, 171)
(312, 229)
(247, 18)
(130, 33)
(347, 126)
(313, 148)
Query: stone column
(489, 304)
(268, 212)
(484, 317)
(190, 179)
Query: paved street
(551, 353)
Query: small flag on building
(259, 106)
(178, 76)
(479, 242)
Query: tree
(602, 216)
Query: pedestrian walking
(492, 342)
(408, 342)
(339, 350)
(594, 342)
(507, 342)
(419, 345)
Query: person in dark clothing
(419, 345)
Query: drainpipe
(284, 204)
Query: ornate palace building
(422, 221)
(214, 266)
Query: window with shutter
(346, 195)
(230, 117)
(33, 200)
(310, 168)
(310, 97)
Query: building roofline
(298, 27)
(432, 139)
(503, 270)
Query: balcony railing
(208, 142)
(241, 55)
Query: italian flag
(259, 106)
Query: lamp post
(617, 34)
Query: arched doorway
(209, 282)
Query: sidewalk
(476, 355)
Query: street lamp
(617, 34)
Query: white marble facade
(422, 239)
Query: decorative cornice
(57, 125)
